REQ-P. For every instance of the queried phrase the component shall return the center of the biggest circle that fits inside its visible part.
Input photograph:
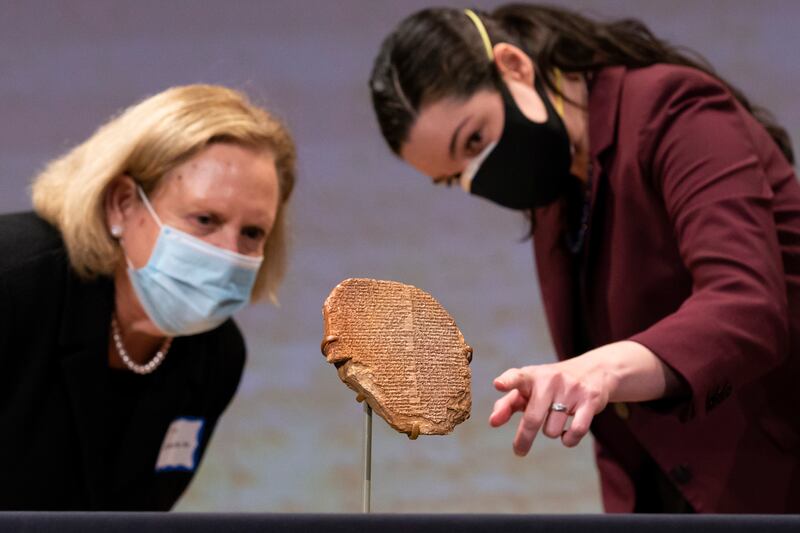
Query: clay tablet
(398, 348)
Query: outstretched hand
(532, 390)
(622, 371)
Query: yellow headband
(559, 103)
(482, 30)
(487, 43)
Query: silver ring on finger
(558, 407)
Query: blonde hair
(146, 141)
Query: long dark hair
(438, 52)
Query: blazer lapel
(555, 264)
(555, 268)
(604, 95)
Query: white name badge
(181, 445)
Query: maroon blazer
(693, 250)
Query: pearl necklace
(146, 368)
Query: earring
(116, 231)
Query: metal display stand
(367, 487)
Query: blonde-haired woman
(116, 343)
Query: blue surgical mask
(189, 286)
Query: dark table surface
(387, 523)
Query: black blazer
(56, 403)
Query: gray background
(291, 439)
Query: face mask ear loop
(152, 211)
(125, 255)
(149, 206)
(127, 260)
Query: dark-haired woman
(666, 221)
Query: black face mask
(529, 165)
